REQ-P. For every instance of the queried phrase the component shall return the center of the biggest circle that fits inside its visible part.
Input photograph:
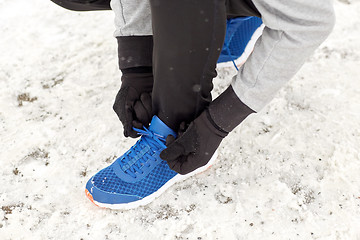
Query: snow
(288, 172)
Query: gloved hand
(133, 103)
(195, 146)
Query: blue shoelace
(139, 154)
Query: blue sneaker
(241, 35)
(140, 175)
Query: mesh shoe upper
(107, 181)
(139, 172)
(238, 33)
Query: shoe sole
(148, 199)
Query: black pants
(188, 37)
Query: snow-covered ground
(291, 171)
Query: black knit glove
(133, 103)
(194, 147)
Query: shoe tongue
(159, 127)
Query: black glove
(133, 103)
(194, 147)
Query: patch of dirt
(221, 198)
(8, 209)
(83, 173)
(16, 171)
(305, 194)
(166, 212)
(39, 154)
(53, 82)
(25, 97)
(110, 159)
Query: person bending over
(168, 50)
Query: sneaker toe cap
(98, 196)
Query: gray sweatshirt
(293, 30)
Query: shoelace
(144, 149)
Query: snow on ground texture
(288, 172)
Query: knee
(325, 18)
(329, 25)
(325, 23)
(320, 19)
(304, 19)
(317, 26)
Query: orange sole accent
(90, 197)
(197, 174)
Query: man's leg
(241, 8)
(188, 38)
(84, 5)
(293, 30)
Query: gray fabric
(132, 17)
(293, 30)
